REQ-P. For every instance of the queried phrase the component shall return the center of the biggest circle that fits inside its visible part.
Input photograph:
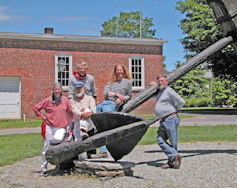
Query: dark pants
(89, 153)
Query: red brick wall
(101, 64)
(36, 68)
(153, 67)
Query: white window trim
(142, 72)
(65, 88)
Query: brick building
(28, 65)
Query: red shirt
(58, 116)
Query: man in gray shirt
(82, 76)
(167, 104)
(89, 85)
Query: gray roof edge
(79, 38)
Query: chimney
(48, 30)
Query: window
(66, 71)
(136, 68)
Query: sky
(85, 17)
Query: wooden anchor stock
(69, 150)
(146, 94)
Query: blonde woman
(117, 92)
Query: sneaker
(99, 155)
(177, 161)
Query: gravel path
(204, 164)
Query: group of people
(72, 114)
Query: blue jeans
(105, 106)
(168, 130)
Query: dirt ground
(204, 164)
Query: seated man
(82, 107)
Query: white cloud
(5, 17)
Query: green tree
(193, 84)
(224, 92)
(193, 87)
(128, 25)
(202, 30)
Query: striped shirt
(123, 87)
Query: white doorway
(10, 98)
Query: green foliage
(198, 102)
(19, 146)
(128, 25)
(192, 85)
(202, 30)
(224, 92)
(193, 88)
(223, 133)
(224, 65)
(199, 24)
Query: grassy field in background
(220, 133)
(19, 123)
(209, 108)
(19, 146)
(181, 116)
(37, 123)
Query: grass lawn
(19, 123)
(204, 108)
(19, 146)
(37, 123)
(181, 116)
(218, 133)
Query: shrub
(198, 102)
